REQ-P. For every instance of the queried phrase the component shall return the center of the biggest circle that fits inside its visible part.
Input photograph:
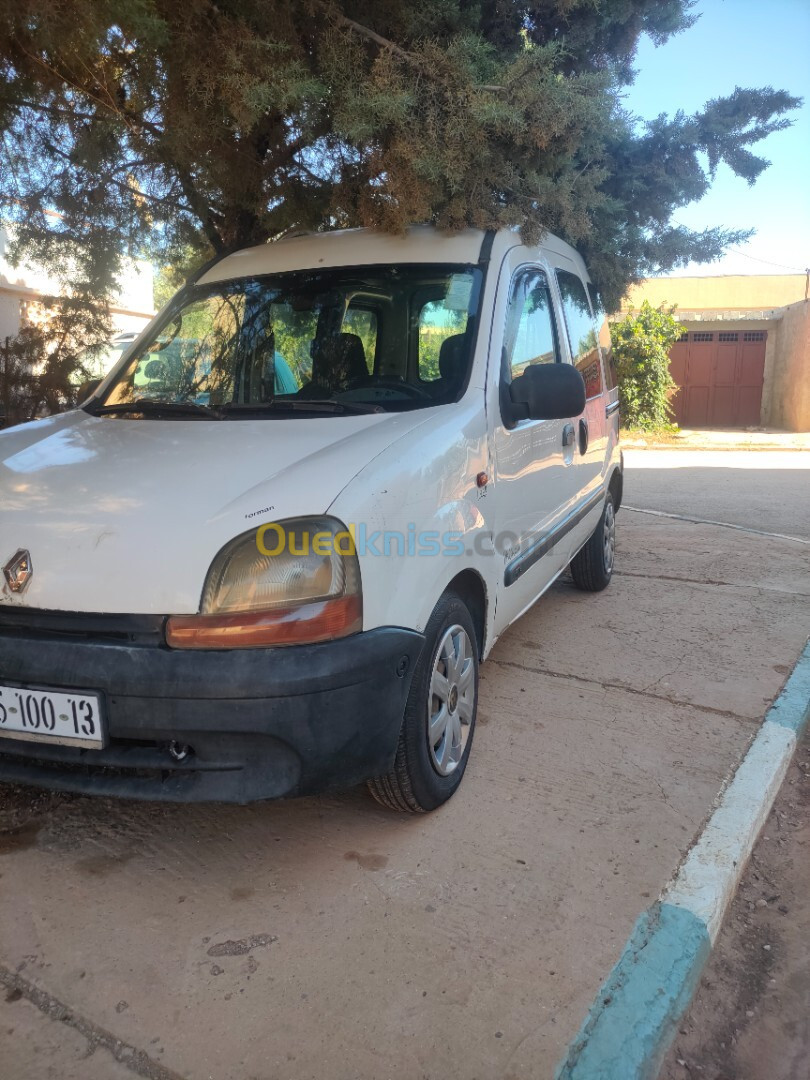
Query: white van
(267, 554)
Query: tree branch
(53, 110)
(403, 54)
(198, 207)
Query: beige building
(744, 357)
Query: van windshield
(352, 339)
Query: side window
(294, 333)
(603, 336)
(437, 323)
(581, 331)
(530, 337)
(363, 323)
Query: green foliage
(174, 271)
(148, 127)
(294, 333)
(429, 348)
(641, 344)
(436, 325)
(42, 366)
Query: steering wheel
(390, 384)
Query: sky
(748, 43)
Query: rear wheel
(437, 730)
(592, 566)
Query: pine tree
(148, 127)
(43, 366)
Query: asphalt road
(758, 489)
(329, 938)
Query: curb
(633, 1018)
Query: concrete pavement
(328, 938)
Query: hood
(126, 515)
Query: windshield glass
(387, 337)
(96, 363)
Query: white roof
(366, 247)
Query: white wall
(9, 315)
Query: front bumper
(260, 723)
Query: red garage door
(719, 377)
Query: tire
(592, 566)
(428, 770)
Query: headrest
(451, 358)
(338, 360)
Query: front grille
(82, 626)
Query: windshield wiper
(325, 405)
(148, 406)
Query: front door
(536, 482)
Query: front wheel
(437, 730)
(592, 566)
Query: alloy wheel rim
(609, 538)
(451, 700)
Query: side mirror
(88, 387)
(547, 392)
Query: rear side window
(441, 330)
(581, 329)
(530, 336)
(294, 332)
(603, 337)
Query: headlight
(289, 583)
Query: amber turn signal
(302, 625)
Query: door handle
(583, 436)
(569, 435)
(611, 408)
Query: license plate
(55, 716)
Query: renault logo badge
(18, 570)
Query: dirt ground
(750, 1019)
(328, 938)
